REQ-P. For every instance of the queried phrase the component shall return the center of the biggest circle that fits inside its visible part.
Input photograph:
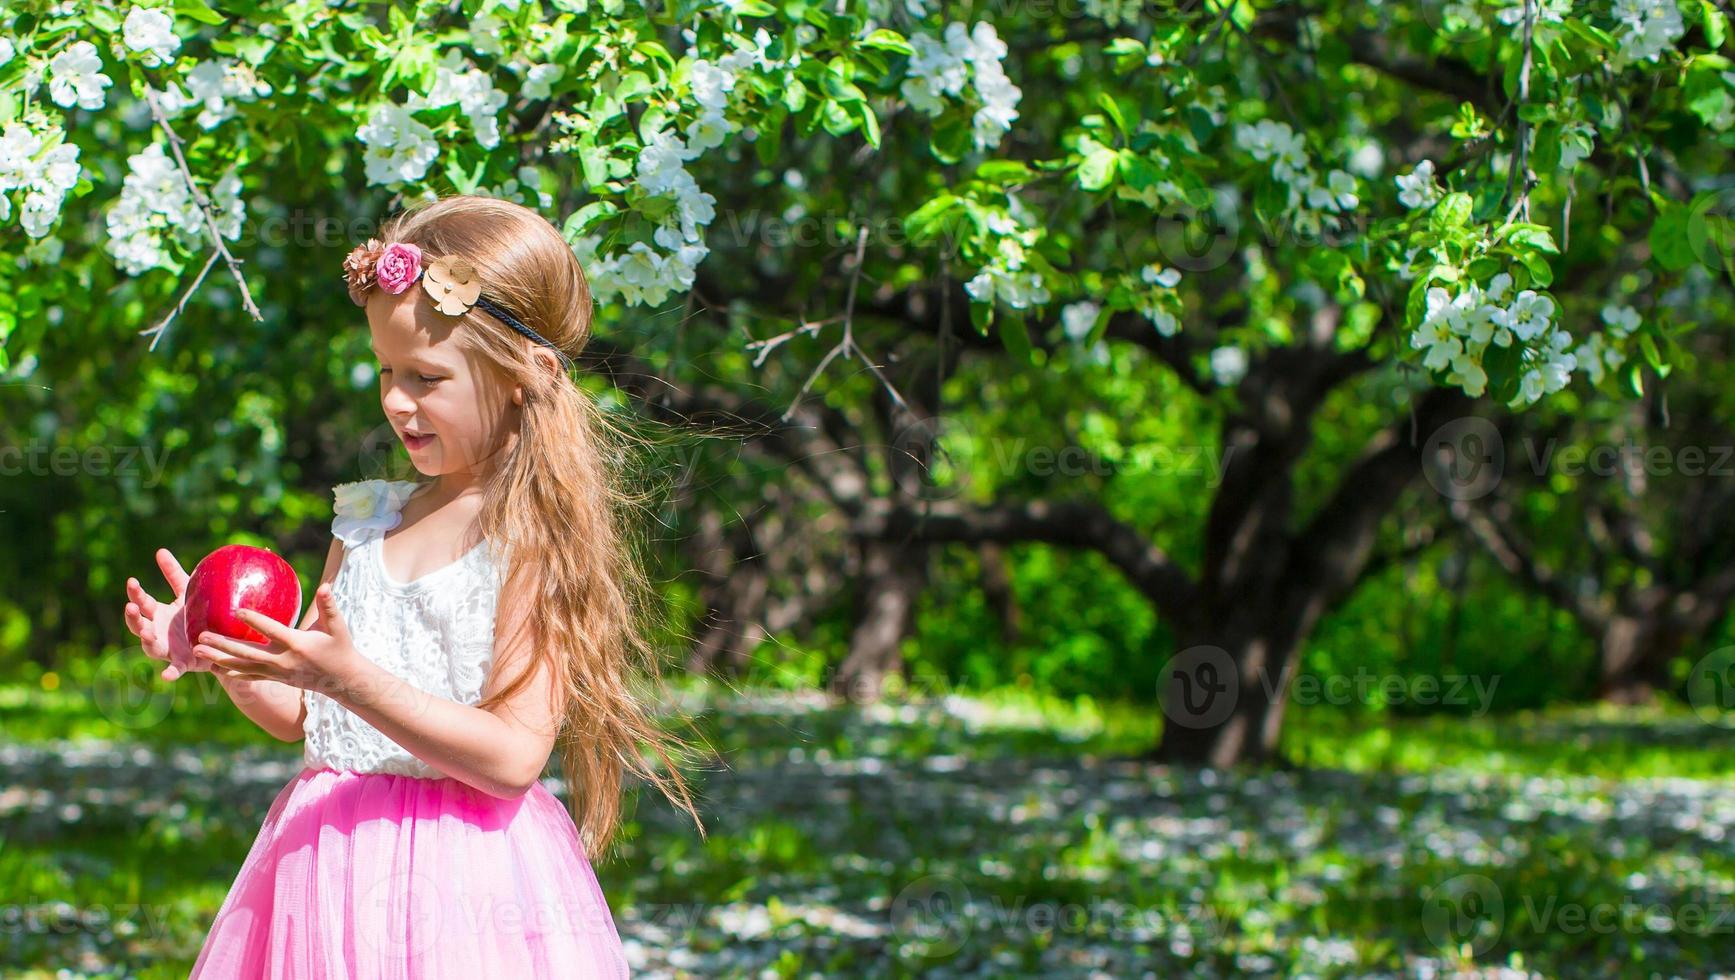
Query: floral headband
(450, 281)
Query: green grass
(829, 807)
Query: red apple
(239, 576)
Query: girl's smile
(414, 442)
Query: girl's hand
(319, 659)
(161, 627)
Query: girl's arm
(273, 705)
(501, 750)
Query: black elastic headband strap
(500, 314)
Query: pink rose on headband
(399, 265)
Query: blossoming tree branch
(1410, 205)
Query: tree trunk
(1224, 698)
(893, 579)
(997, 589)
(1636, 653)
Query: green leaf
(1452, 211)
(1716, 24)
(1538, 237)
(1114, 111)
(1648, 345)
(102, 18)
(887, 40)
(1670, 244)
(633, 83)
(579, 222)
(1485, 268)
(198, 10)
(870, 124)
(1138, 171)
(950, 140)
(770, 141)
(1504, 367)
(923, 224)
(837, 118)
(1589, 34)
(1540, 272)
(794, 95)
(465, 182)
(981, 317)
(594, 160)
(1014, 337)
(842, 89)
(1004, 171)
(755, 8)
(1097, 169)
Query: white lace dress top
(436, 632)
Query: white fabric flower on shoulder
(367, 508)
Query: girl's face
(452, 410)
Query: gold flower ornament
(453, 285)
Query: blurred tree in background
(1045, 341)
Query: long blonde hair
(560, 503)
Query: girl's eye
(428, 381)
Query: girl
(464, 625)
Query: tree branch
(1078, 524)
(204, 204)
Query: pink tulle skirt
(371, 875)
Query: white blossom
(1165, 321)
(1577, 139)
(400, 148)
(1544, 16)
(1228, 365)
(939, 69)
(215, 85)
(1157, 275)
(75, 77)
(151, 32)
(1647, 28)
(1417, 189)
(1078, 319)
(1437, 334)
(486, 33)
(539, 81)
(1528, 316)
(455, 81)
(1595, 356)
(710, 84)
(45, 168)
(708, 131)
(156, 208)
(1621, 320)
(649, 272)
(1337, 194)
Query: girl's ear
(549, 361)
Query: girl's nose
(396, 402)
